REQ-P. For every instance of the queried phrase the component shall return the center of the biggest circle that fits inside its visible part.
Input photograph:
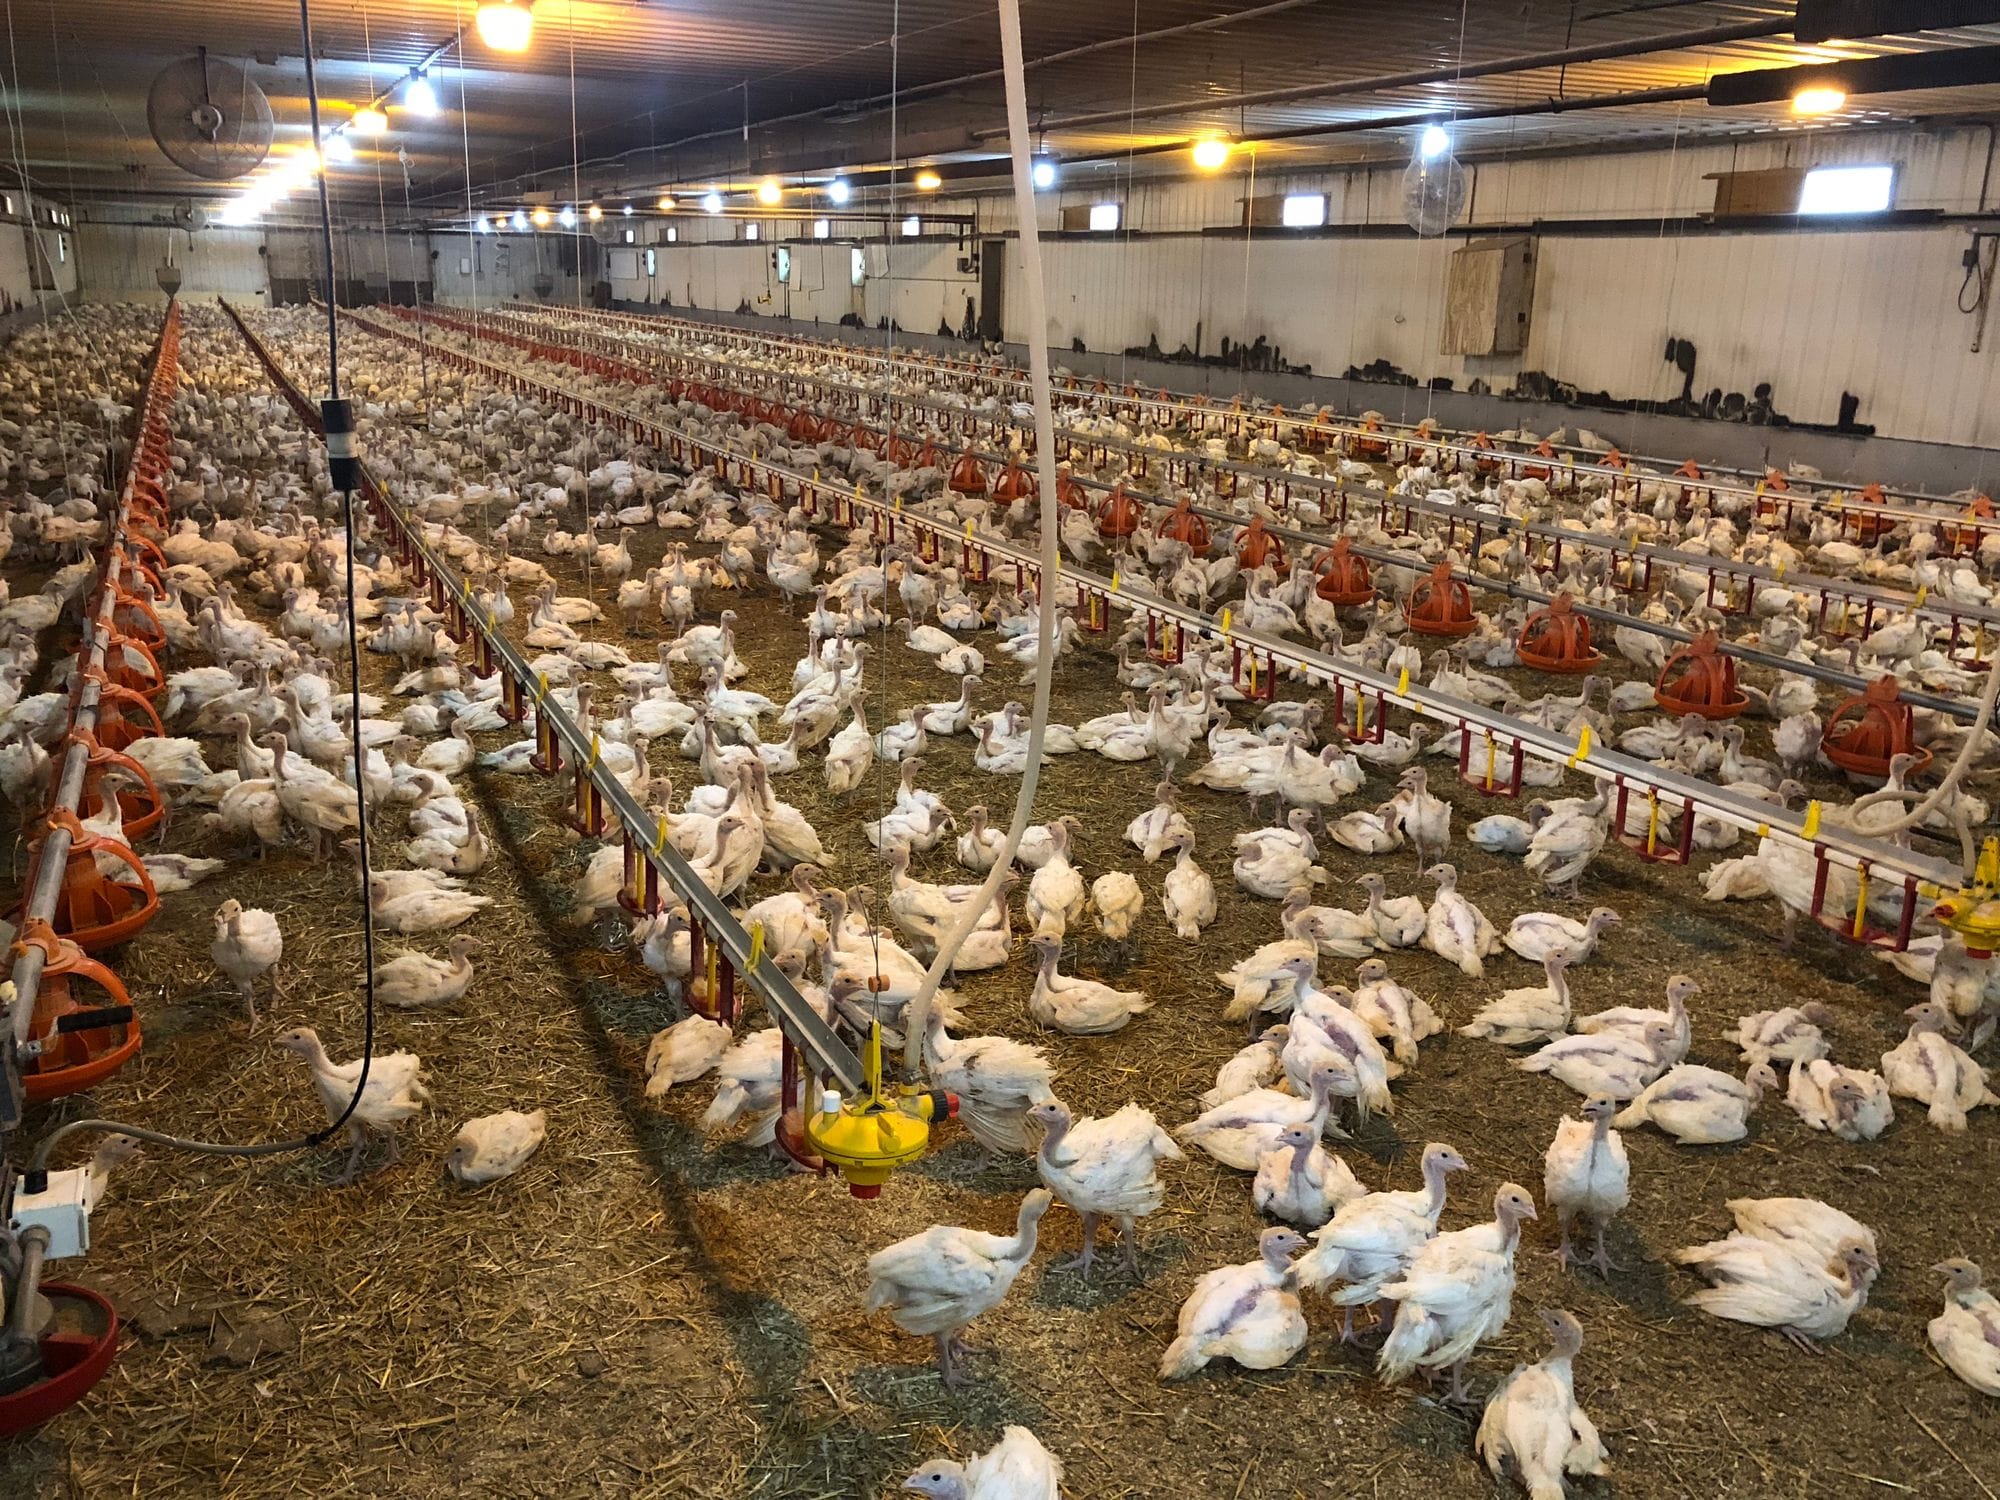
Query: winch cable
(1036, 312)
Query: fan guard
(209, 118)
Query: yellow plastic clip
(660, 836)
(1923, 593)
(594, 748)
(968, 531)
(1114, 580)
(1811, 828)
(1582, 746)
(1360, 713)
(1763, 830)
(1778, 573)
(1403, 683)
(541, 686)
(1860, 903)
(899, 505)
(1225, 622)
(1491, 752)
(756, 948)
(1652, 818)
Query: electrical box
(63, 1209)
(1490, 297)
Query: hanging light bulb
(838, 190)
(666, 203)
(1435, 141)
(929, 181)
(595, 213)
(339, 147)
(1044, 172)
(567, 218)
(540, 218)
(368, 120)
(712, 201)
(628, 210)
(519, 221)
(506, 25)
(1211, 153)
(770, 193)
(483, 225)
(421, 98)
(1817, 100)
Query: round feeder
(1557, 639)
(1699, 679)
(1545, 456)
(1343, 577)
(1485, 460)
(1257, 546)
(76, 1349)
(1964, 538)
(1183, 525)
(1015, 483)
(140, 806)
(1440, 605)
(1868, 731)
(901, 451)
(863, 439)
(84, 1038)
(1869, 526)
(1069, 493)
(1117, 514)
(93, 910)
(803, 428)
(1368, 446)
(1689, 471)
(967, 476)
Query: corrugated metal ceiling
(652, 73)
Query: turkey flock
(724, 651)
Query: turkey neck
(1301, 1154)
(1052, 1139)
(1434, 1175)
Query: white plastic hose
(971, 911)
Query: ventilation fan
(190, 216)
(209, 118)
(1434, 193)
(608, 231)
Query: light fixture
(1043, 172)
(838, 191)
(506, 25)
(929, 181)
(1434, 142)
(368, 120)
(484, 225)
(339, 147)
(519, 221)
(711, 201)
(1211, 152)
(628, 210)
(540, 217)
(666, 203)
(567, 218)
(1819, 99)
(595, 213)
(421, 99)
(770, 193)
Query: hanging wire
(1451, 150)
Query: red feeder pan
(1343, 577)
(1484, 460)
(901, 452)
(93, 911)
(1557, 639)
(1868, 731)
(1117, 514)
(1365, 446)
(76, 1349)
(82, 1043)
(1440, 605)
(967, 477)
(1699, 679)
(1966, 537)
(1183, 525)
(1869, 526)
(1071, 494)
(1257, 546)
(1015, 483)
(1541, 470)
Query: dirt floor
(640, 1312)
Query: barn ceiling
(629, 97)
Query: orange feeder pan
(967, 477)
(1015, 483)
(1699, 679)
(1368, 446)
(1117, 514)
(1485, 459)
(1964, 538)
(1541, 471)
(1440, 605)
(82, 1044)
(95, 912)
(1869, 526)
(1343, 577)
(1071, 494)
(1257, 546)
(1184, 526)
(1557, 639)
(1870, 730)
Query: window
(631, 236)
(62, 247)
(1847, 190)
(912, 228)
(783, 256)
(750, 231)
(7, 204)
(822, 229)
(653, 259)
(673, 234)
(1103, 217)
(857, 266)
(1305, 210)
